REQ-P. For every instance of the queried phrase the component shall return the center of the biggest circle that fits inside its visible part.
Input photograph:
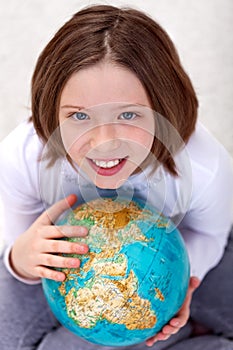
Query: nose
(105, 138)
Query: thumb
(51, 214)
(193, 285)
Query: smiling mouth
(107, 167)
(106, 164)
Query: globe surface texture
(132, 281)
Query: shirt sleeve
(18, 187)
(206, 226)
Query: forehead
(103, 83)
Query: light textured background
(201, 30)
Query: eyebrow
(121, 106)
(72, 106)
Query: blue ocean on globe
(132, 281)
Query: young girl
(113, 112)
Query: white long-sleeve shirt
(198, 201)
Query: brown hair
(130, 39)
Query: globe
(132, 281)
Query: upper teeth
(104, 164)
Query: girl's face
(107, 124)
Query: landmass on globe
(132, 281)
(104, 296)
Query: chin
(105, 186)
(109, 185)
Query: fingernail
(151, 343)
(60, 277)
(74, 262)
(83, 248)
(83, 230)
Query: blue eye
(128, 115)
(80, 116)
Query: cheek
(143, 140)
(75, 141)
(147, 139)
(79, 149)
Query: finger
(50, 260)
(45, 272)
(177, 322)
(158, 337)
(161, 336)
(168, 329)
(193, 284)
(151, 341)
(183, 314)
(50, 232)
(52, 214)
(65, 247)
(181, 319)
(73, 231)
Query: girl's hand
(181, 318)
(35, 251)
